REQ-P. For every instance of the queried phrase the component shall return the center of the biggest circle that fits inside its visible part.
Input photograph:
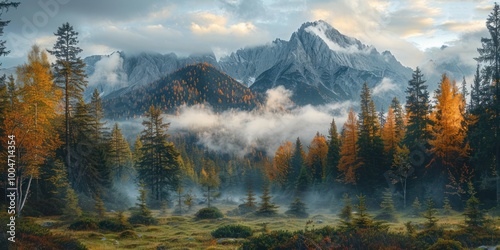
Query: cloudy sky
(410, 29)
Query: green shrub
(273, 240)
(83, 225)
(232, 231)
(137, 218)
(128, 234)
(113, 225)
(446, 245)
(209, 213)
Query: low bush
(209, 213)
(446, 244)
(113, 225)
(232, 231)
(84, 224)
(128, 234)
(140, 219)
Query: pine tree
(119, 156)
(303, 183)
(4, 7)
(474, 217)
(99, 206)
(371, 148)
(346, 212)
(143, 214)
(96, 113)
(490, 55)
(250, 200)
(447, 206)
(418, 110)
(388, 211)
(160, 162)
(362, 220)
(69, 74)
(475, 94)
(298, 209)
(349, 161)
(71, 209)
(399, 118)
(416, 207)
(333, 156)
(297, 162)
(430, 215)
(267, 208)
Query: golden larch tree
(389, 133)
(317, 156)
(349, 161)
(282, 163)
(448, 132)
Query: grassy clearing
(184, 232)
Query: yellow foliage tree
(282, 162)
(448, 132)
(32, 120)
(389, 133)
(316, 157)
(349, 161)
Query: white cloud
(384, 86)
(108, 71)
(239, 132)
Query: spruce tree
(490, 55)
(333, 156)
(303, 183)
(298, 209)
(418, 110)
(250, 200)
(266, 208)
(297, 162)
(388, 212)
(71, 209)
(4, 7)
(362, 220)
(119, 156)
(346, 212)
(99, 206)
(160, 162)
(69, 74)
(474, 216)
(430, 215)
(447, 206)
(416, 207)
(399, 117)
(142, 215)
(371, 148)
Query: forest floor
(185, 232)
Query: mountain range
(318, 63)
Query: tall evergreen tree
(160, 163)
(489, 53)
(371, 148)
(69, 74)
(97, 115)
(297, 162)
(418, 110)
(333, 156)
(4, 7)
(475, 93)
(119, 157)
(399, 118)
(209, 178)
(267, 208)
